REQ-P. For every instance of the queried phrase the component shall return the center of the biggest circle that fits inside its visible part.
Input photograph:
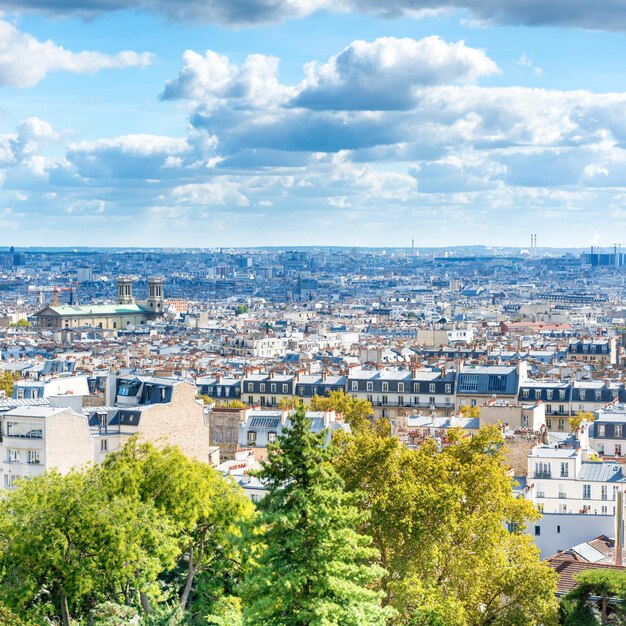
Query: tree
(205, 508)
(598, 591)
(240, 309)
(21, 324)
(440, 521)
(582, 416)
(469, 411)
(286, 404)
(355, 412)
(65, 541)
(311, 566)
(7, 382)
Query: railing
(542, 474)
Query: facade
(112, 317)
(478, 383)
(39, 438)
(267, 389)
(608, 431)
(594, 351)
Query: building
(608, 431)
(39, 438)
(477, 383)
(113, 317)
(596, 351)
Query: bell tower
(155, 294)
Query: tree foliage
(469, 411)
(599, 593)
(355, 411)
(439, 522)
(312, 568)
(582, 416)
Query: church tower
(155, 294)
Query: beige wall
(180, 422)
(109, 322)
(67, 441)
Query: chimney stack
(619, 528)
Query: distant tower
(155, 294)
(124, 290)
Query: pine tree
(312, 568)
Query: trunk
(191, 572)
(145, 603)
(91, 618)
(65, 610)
(604, 611)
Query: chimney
(328, 418)
(284, 414)
(619, 528)
(110, 389)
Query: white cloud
(212, 78)
(384, 74)
(209, 194)
(525, 61)
(25, 61)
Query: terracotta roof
(569, 565)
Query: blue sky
(276, 122)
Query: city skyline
(248, 124)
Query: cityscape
(312, 313)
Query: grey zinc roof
(264, 422)
(547, 452)
(598, 471)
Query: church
(125, 313)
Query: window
(564, 469)
(562, 508)
(549, 424)
(416, 387)
(431, 401)
(271, 437)
(401, 387)
(273, 388)
(561, 424)
(285, 388)
(385, 386)
(525, 393)
(496, 382)
(251, 438)
(448, 388)
(543, 470)
(369, 399)
(618, 449)
(537, 394)
(104, 445)
(384, 400)
(562, 491)
(548, 408)
(33, 457)
(468, 382)
(618, 430)
(601, 430)
(250, 386)
(549, 393)
(598, 395)
(473, 402)
(369, 386)
(561, 394)
(250, 400)
(14, 456)
(605, 510)
(581, 394)
(10, 480)
(558, 529)
(586, 492)
(432, 387)
(400, 400)
(537, 531)
(20, 392)
(262, 387)
(355, 385)
(540, 489)
(603, 493)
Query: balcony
(542, 474)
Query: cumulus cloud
(384, 74)
(607, 15)
(212, 78)
(25, 61)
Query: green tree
(7, 381)
(439, 520)
(469, 411)
(65, 541)
(576, 420)
(598, 592)
(240, 309)
(21, 324)
(311, 567)
(205, 508)
(354, 411)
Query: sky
(204, 123)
